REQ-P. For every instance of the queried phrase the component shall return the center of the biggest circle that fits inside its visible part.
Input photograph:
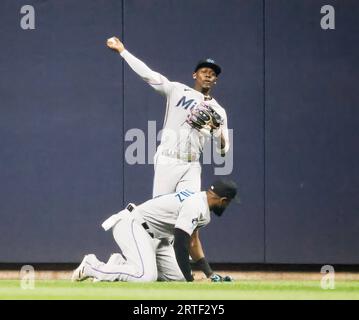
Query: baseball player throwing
(191, 115)
(145, 233)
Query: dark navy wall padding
(312, 120)
(289, 88)
(61, 130)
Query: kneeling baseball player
(157, 237)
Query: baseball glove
(204, 117)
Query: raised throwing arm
(153, 78)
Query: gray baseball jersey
(177, 135)
(184, 210)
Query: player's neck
(204, 91)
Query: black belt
(144, 225)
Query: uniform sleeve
(181, 248)
(223, 130)
(154, 79)
(188, 217)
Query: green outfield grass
(10, 289)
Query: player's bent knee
(149, 277)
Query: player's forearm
(181, 248)
(204, 266)
(140, 67)
(196, 250)
(197, 254)
(222, 143)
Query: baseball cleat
(79, 273)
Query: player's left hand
(204, 119)
(218, 278)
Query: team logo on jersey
(195, 221)
(190, 103)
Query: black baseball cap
(208, 63)
(225, 188)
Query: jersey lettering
(183, 195)
(186, 103)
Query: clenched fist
(115, 44)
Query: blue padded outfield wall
(67, 104)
